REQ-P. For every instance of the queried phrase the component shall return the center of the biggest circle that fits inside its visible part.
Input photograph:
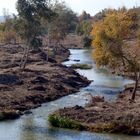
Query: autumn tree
(110, 46)
(30, 13)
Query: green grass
(81, 66)
(61, 122)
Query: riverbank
(120, 116)
(40, 82)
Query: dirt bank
(120, 116)
(40, 82)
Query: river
(35, 126)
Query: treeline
(53, 19)
(36, 22)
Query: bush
(87, 40)
(57, 121)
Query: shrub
(57, 121)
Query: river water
(35, 126)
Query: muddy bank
(120, 116)
(40, 82)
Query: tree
(110, 46)
(30, 13)
(63, 23)
(84, 16)
(84, 28)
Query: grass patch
(120, 127)
(81, 66)
(61, 122)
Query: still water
(36, 127)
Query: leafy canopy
(109, 35)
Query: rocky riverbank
(40, 82)
(120, 116)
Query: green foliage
(57, 121)
(36, 42)
(29, 23)
(125, 126)
(30, 13)
(84, 28)
(63, 23)
(87, 40)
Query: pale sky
(91, 6)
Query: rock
(27, 112)
(76, 60)
(51, 60)
(5, 88)
(78, 107)
(39, 79)
(39, 88)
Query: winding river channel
(36, 127)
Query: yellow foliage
(109, 35)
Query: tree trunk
(135, 87)
(25, 58)
(49, 35)
(134, 90)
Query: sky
(91, 6)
